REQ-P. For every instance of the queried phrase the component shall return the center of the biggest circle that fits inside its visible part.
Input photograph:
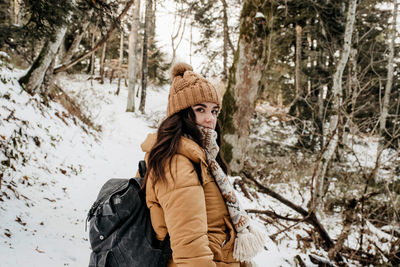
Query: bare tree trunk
(93, 57)
(121, 57)
(144, 59)
(388, 88)
(226, 26)
(132, 60)
(33, 80)
(152, 20)
(243, 85)
(78, 35)
(61, 52)
(225, 51)
(102, 61)
(17, 12)
(179, 33)
(332, 136)
(99, 44)
(191, 43)
(353, 84)
(321, 108)
(299, 91)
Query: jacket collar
(187, 148)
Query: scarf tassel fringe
(248, 243)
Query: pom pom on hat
(188, 89)
(179, 69)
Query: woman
(201, 214)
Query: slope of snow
(49, 189)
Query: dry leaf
(38, 250)
(18, 220)
(7, 235)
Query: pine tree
(40, 21)
(212, 20)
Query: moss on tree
(250, 30)
(225, 118)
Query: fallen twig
(274, 215)
(309, 216)
(240, 183)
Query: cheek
(199, 118)
(196, 116)
(215, 122)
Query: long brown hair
(169, 134)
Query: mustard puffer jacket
(194, 215)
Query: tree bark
(93, 57)
(102, 62)
(152, 20)
(321, 109)
(132, 60)
(144, 58)
(33, 80)
(353, 84)
(191, 43)
(99, 44)
(299, 91)
(337, 93)
(17, 12)
(243, 85)
(225, 48)
(228, 39)
(121, 57)
(388, 88)
(78, 35)
(179, 33)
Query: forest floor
(55, 166)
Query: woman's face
(206, 114)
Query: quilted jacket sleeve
(182, 201)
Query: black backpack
(120, 230)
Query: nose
(209, 117)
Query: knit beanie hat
(188, 89)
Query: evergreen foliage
(40, 19)
(322, 24)
(157, 65)
(207, 16)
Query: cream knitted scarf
(250, 240)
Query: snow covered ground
(57, 166)
(46, 198)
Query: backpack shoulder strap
(197, 168)
(143, 169)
